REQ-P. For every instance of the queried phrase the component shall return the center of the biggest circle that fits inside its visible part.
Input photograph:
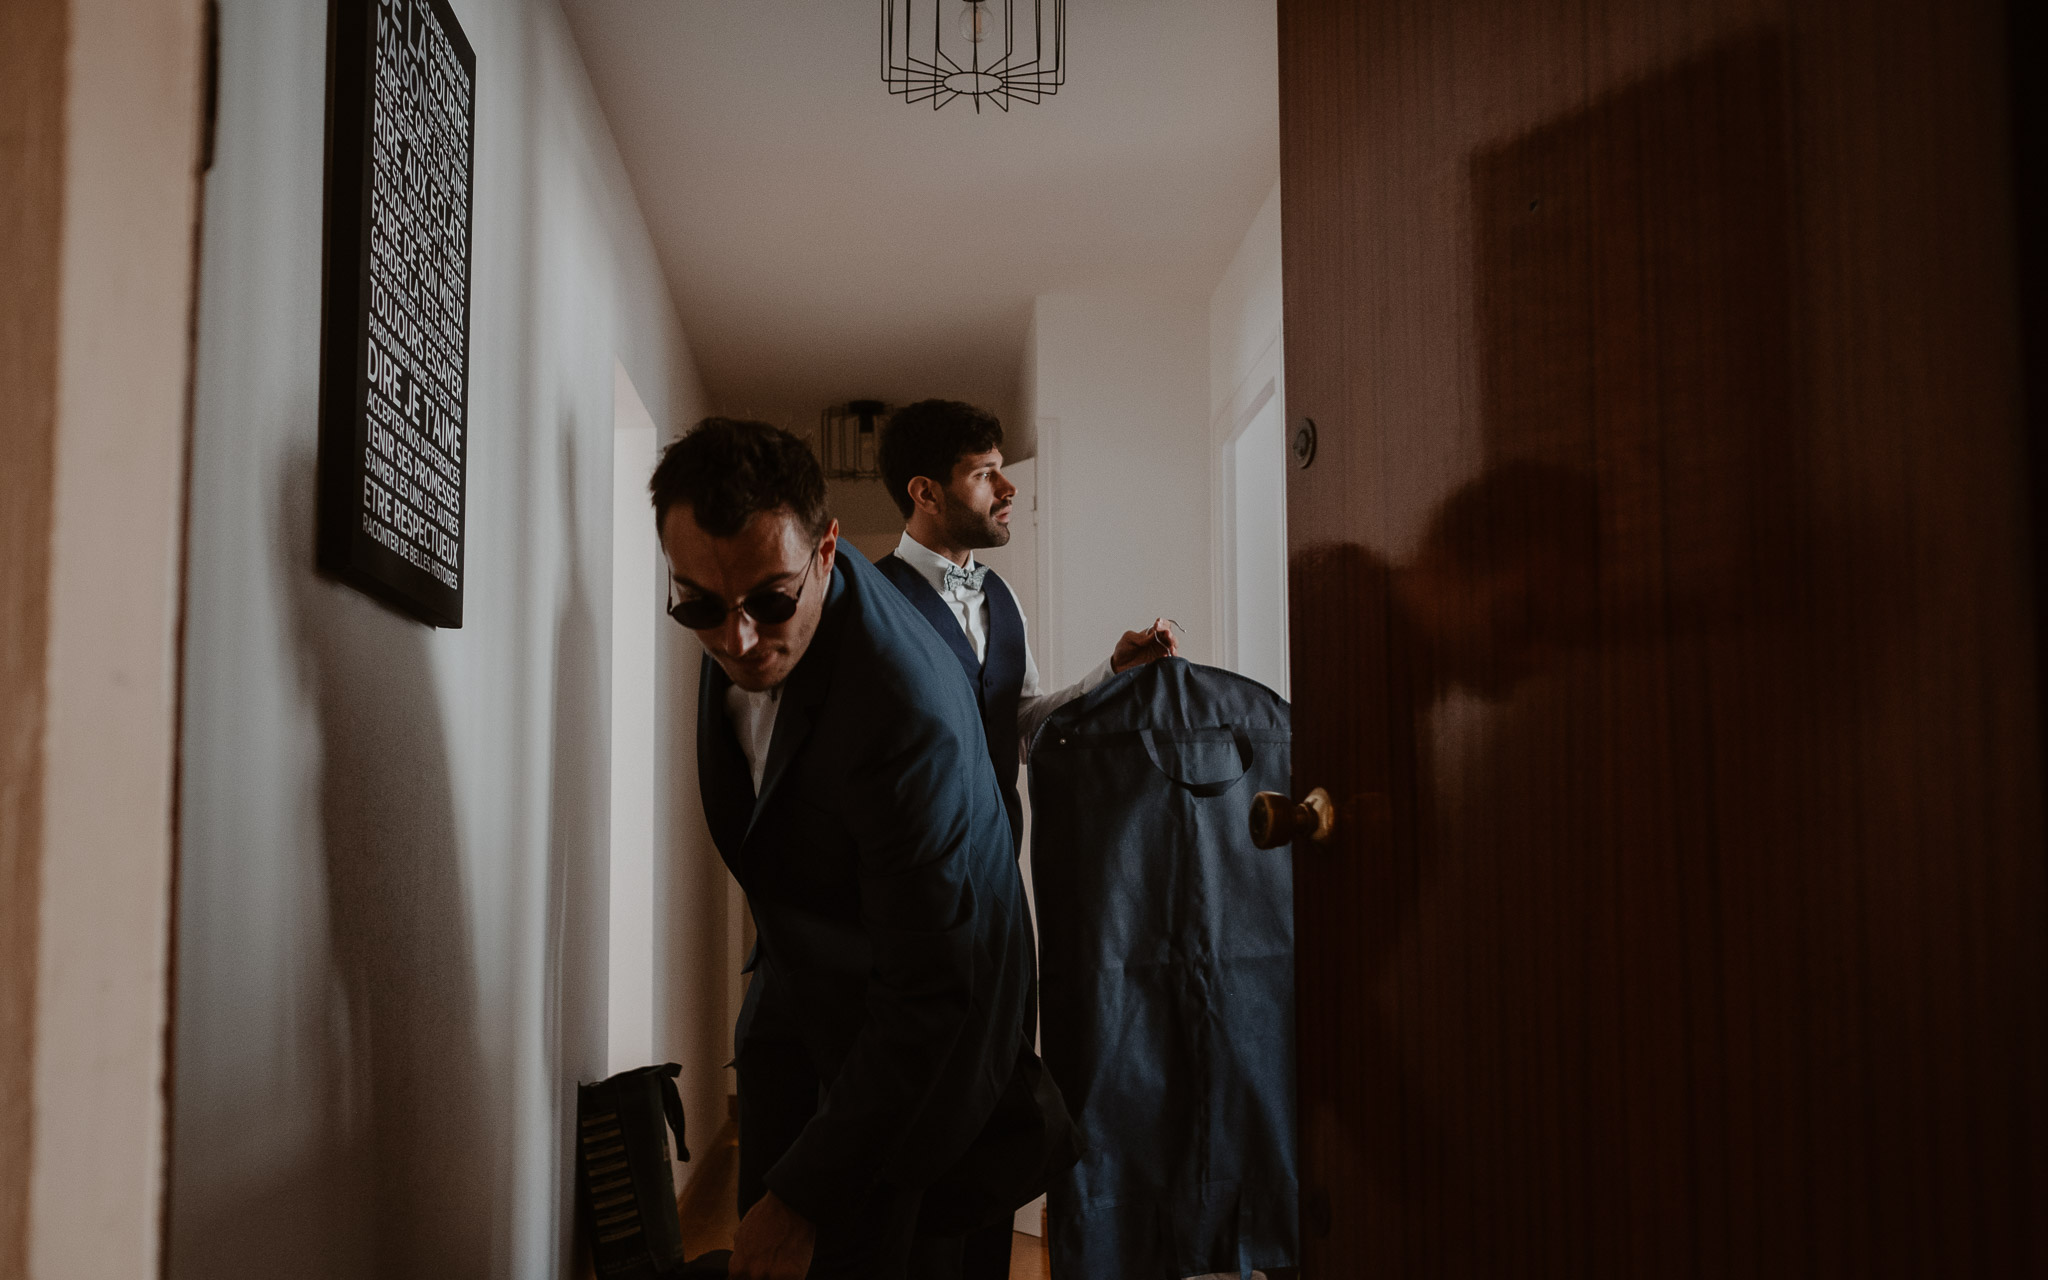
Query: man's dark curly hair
(728, 470)
(928, 439)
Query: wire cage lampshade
(995, 51)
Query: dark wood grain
(1662, 605)
(2026, 53)
(709, 1206)
(32, 82)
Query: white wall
(1160, 486)
(1118, 381)
(1245, 311)
(393, 887)
(868, 517)
(1247, 429)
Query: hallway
(432, 878)
(709, 1219)
(1617, 426)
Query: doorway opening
(636, 612)
(1253, 545)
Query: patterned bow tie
(970, 579)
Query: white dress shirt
(970, 609)
(753, 722)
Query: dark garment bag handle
(1205, 790)
(672, 1102)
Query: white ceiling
(825, 240)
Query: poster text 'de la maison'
(395, 376)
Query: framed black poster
(394, 370)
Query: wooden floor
(1027, 1258)
(710, 1203)
(710, 1213)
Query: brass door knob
(1277, 820)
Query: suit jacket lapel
(918, 591)
(793, 721)
(801, 694)
(723, 779)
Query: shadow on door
(1686, 914)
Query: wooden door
(1662, 624)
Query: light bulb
(976, 23)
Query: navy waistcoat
(998, 680)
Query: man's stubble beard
(966, 527)
(798, 647)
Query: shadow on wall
(412, 1143)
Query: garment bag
(1166, 948)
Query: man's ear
(924, 495)
(828, 546)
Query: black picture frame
(394, 369)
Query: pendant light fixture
(849, 441)
(997, 51)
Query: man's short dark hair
(928, 439)
(728, 470)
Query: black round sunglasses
(767, 607)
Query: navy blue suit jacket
(894, 938)
(996, 682)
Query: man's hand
(773, 1242)
(1140, 647)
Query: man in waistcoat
(943, 463)
(891, 1104)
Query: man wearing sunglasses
(890, 1101)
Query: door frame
(95, 590)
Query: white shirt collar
(930, 564)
